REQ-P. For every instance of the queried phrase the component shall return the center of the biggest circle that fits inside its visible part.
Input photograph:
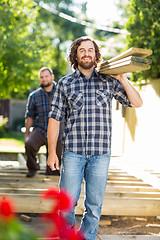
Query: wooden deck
(126, 194)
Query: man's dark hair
(73, 51)
(44, 69)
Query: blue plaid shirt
(38, 106)
(86, 106)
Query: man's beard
(46, 85)
(85, 65)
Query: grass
(12, 136)
(14, 142)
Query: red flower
(63, 200)
(6, 209)
(60, 228)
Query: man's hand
(28, 124)
(53, 162)
(52, 136)
(120, 77)
(25, 137)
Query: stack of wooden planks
(132, 60)
(127, 193)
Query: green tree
(60, 30)
(144, 28)
(19, 54)
(32, 37)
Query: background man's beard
(46, 85)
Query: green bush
(144, 28)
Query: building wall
(16, 110)
(141, 139)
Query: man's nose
(87, 53)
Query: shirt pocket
(103, 98)
(76, 101)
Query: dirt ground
(129, 225)
(109, 225)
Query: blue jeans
(94, 170)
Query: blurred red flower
(63, 200)
(60, 229)
(7, 210)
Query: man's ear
(52, 76)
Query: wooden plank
(129, 58)
(28, 185)
(131, 207)
(136, 171)
(41, 175)
(137, 52)
(128, 61)
(30, 203)
(17, 190)
(111, 206)
(42, 181)
(125, 67)
(45, 185)
(37, 192)
(141, 195)
(127, 207)
(22, 177)
(123, 178)
(132, 189)
(132, 196)
(126, 183)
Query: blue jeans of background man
(94, 170)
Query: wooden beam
(131, 189)
(112, 193)
(127, 207)
(111, 206)
(139, 173)
(30, 203)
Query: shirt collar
(79, 74)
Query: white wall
(142, 129)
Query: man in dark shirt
(84, 100)
(36, 116)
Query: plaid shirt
(86, 106)
(38, 106)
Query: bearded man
(83, 100)
(36, 116)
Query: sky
(104, 12)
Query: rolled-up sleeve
(58, 103)
(30, 111)
(120, 94)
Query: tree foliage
(19, 54)
(32, 37)
(59, 30)
(144, 28)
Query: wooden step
(125, 193)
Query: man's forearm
(28, 124)
(133, 95)
(52, 134)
